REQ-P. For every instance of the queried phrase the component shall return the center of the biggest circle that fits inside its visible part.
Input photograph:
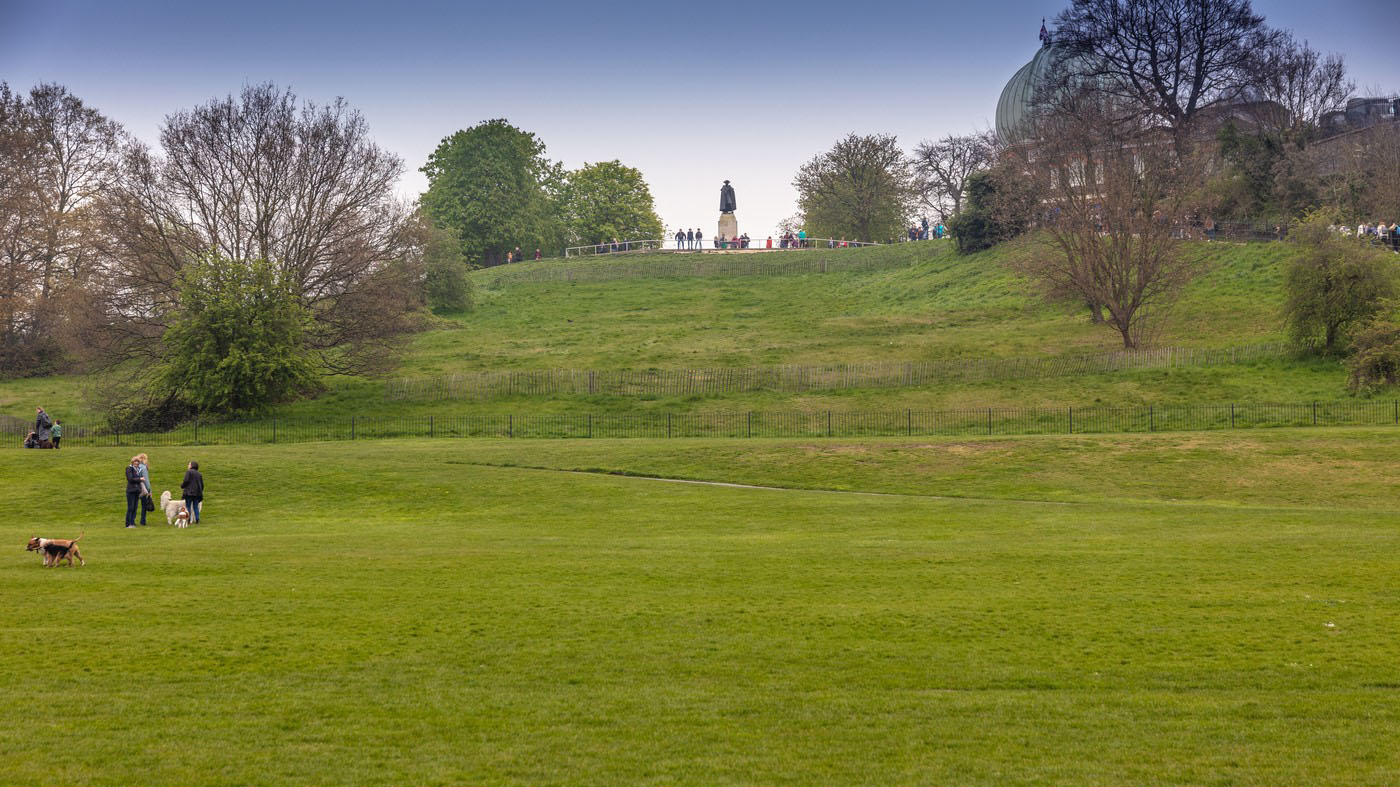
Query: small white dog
(175, 513)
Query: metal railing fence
(969, 422)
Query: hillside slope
(914, 302)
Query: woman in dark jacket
(134, 489)
(193, 490)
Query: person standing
(699, 239)
(43, 426)
(133, 492)
(192, 489)
(690, 239)
(143, 468)
(57, 433)
(538, 255)
(680, 239)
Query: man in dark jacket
(193, 490)
(134, 490)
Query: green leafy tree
(1375, 357)
(237, 342)
(863, 188)
(608, 200)
(492, 186)
(997, 205)
(1333, 285)
(446, 286)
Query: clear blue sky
(691, 94)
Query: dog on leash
(173, 509)
(55, 550)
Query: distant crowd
(516, 255)
(926, 231)
(1381, 234)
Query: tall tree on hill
(1302, 81)
(1114, 199)
(608, 200)
(942, 169)
(262, 176)
(57, 155)
(492, 185)
(863, 188)
(1164, 60)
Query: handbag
(147, 504)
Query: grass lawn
(938, 305)
(1148, 608)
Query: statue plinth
(728, 226)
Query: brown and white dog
(182, 517)
(55, 550)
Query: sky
(691, 94)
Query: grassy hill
(920, 302)
(1058, 610)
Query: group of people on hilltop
(47, 433)
(516, 255)
(1380, 233)
(613, 246)
(791, 240)
(925, 231)
(138, 490)
(740, 242)
(689, 239)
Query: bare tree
(943, 167)
(56, 156)
(1302, 81)
(262, 176)
(1164, 60)
(862, 188)
(1115, 196)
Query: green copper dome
(1018, 97)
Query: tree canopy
(863, 188)
(492, 185)
(608, 200)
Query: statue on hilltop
(726, 198)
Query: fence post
(989, 420)
(591, 388)
(196, 431)
(274, 429)
(1071, 420)
(1397, 411)
(1151, 419)
(430, 426)
(510, 426)
(668, 424)
(1232, 415)
(908, 423)
(1314, 412)
(749, 432)
(590, 424)
(828, 423)
(352, 427)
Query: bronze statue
(726, 198)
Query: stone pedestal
(728, 227)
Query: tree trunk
(1095, 314)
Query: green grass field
(1189, 608)
(934, 305)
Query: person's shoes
(131, 527)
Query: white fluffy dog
(174, 510)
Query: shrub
(1375, 358)
(1333, 285)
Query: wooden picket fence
(790, 378)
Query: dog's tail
(80, 537)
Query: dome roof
(1018, 97)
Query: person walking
(133, 492)
(57, 433)
(192, 489)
